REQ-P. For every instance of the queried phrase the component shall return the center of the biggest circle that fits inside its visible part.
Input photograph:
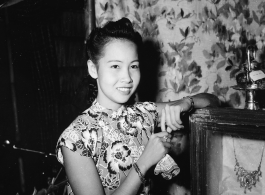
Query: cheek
(106, 77)
(136, 77)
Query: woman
(110, 147)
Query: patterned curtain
(195, 46)
(201, 43)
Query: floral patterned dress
(114, 139)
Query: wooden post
(89, 14)
(14, 100)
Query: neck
(109, 105)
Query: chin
(125, 99)
(121, 102)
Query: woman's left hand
(170, 111)
(170, 118)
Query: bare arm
(84, 178)
(82, 174)
(169, 112)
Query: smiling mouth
(124, 89)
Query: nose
(126, 76)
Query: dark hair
(120, 30)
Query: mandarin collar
(97, 107)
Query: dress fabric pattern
(114, 139)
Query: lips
(125, 90)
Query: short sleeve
(78, 137)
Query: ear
(92, 69)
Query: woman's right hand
(156, 148)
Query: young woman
(109, 148)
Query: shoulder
(147, 109)
(80, 136)
(147, 106)
(84, 121)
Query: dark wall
(48, 67)
(7, 129)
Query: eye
(135, 66)
(115, 66)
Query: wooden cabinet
(221, 137)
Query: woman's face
(118, 73)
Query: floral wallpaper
(202, 43)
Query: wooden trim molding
(206, 122)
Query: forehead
(119, 47)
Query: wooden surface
(205, 122)
(229, 116)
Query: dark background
(43, 87)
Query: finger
(166, 138)
(161, 134)
(167, 145)
(177, 117)
(163, 121)
(169, 130)
(173, 117)
(168, 117)
(163, 139)
(169, 136)
(176, 120)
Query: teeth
(123, 89)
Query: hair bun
(99, 37)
